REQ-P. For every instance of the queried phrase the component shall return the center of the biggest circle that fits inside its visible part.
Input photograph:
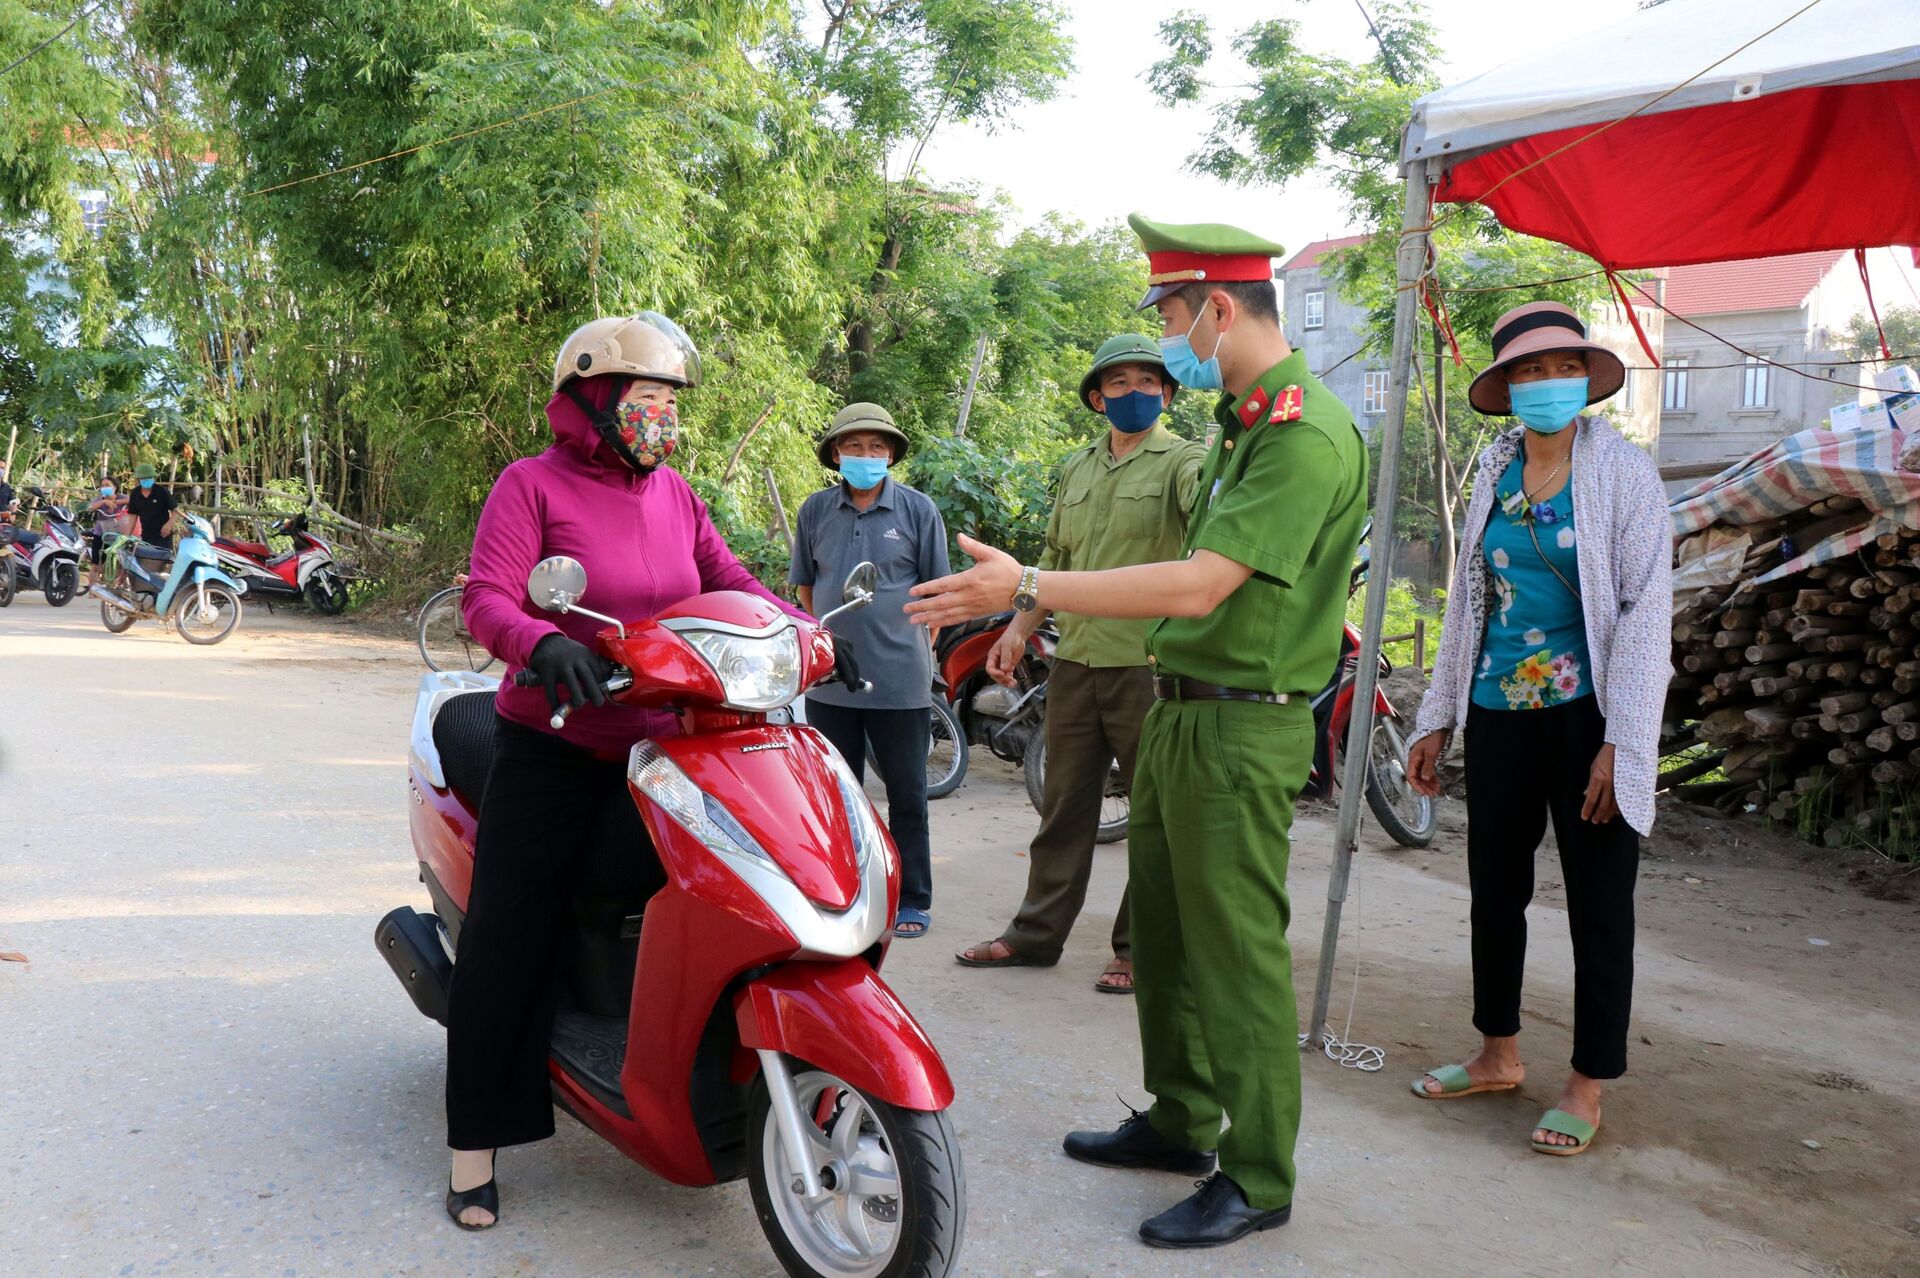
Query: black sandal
(486, 1197)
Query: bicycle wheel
(445, 642)
(946, 752)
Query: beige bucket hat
(1529, 330)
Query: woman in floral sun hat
(1555, 659)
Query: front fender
(207, 572)
(841, 1017)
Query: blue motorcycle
(184, 586)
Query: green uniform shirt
(1287, 499)
(1114, 513)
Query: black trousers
(1524, 766)
(900, 739)
(548, 804)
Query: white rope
(1339, 1048)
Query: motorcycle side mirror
(856, 592)
(555, 584)
(861, 580)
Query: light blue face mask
(1548, 407)
(1186, 367)
(862, 473)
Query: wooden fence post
(973, 380)
(1420, 644)
(779, 508)
(306, 448)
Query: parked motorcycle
(1405, 814)
(48, 560)
(310, 570)
(735, 1022)
(1012, 722)
(183, 587)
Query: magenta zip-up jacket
(646, 542)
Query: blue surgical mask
(106, 490)
(146, 484)
(1548, 407)
(1134, 411)
(1185, 366)
(862, 473)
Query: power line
(52, 38)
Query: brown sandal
(1115, 968)
(965, 958)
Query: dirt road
(207, 1069)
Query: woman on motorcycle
(601, 496)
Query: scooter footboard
(844, 1019)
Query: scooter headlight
(698, 813)
(757, 672)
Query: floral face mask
(645, 434)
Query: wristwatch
(1027, 597)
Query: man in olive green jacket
(1123, 499)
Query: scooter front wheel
(211, 624)
(892, 1201)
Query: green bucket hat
(858, 417)
(145, 470)
(1126, 348)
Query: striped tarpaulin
(1798, 471)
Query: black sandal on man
(486, 1197)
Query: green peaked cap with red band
(1201, 251)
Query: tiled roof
(1756, 284)
(1312, 253)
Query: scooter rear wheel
(116, 619)
(6, 576)
(894, 1194)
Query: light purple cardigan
(1626, 592)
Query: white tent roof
(1604, 74)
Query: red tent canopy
(1635, 146)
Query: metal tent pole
(1412, 262)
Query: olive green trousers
(1213, 799)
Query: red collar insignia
(1255, 405)
(1288, 406)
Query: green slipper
(1455, 1082)
(1559, 1120)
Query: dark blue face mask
(1134, 411)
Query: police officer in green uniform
(1253, 621)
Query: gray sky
(1104, 148)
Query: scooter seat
(157, 554)
(950, 636)
(245, 548)
(463, 734)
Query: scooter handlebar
(619, 681)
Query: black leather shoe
(1216, 1215)
(1136, 1144)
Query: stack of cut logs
(1801, 698)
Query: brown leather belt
(1181, 688)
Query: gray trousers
(1093, 718)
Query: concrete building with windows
(1331, 331)
(1718, 404)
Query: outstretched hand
(985, 588)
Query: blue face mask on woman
(1134, 411)
(106, 490)
(1185, 366)
(862, 473)
(1548, 407)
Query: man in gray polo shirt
(869, 515)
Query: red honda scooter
(734, 1022)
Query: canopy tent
(1696, 131)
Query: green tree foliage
(359, 230)
(1861, 340)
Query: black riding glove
(559, 662)
(845, 668)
